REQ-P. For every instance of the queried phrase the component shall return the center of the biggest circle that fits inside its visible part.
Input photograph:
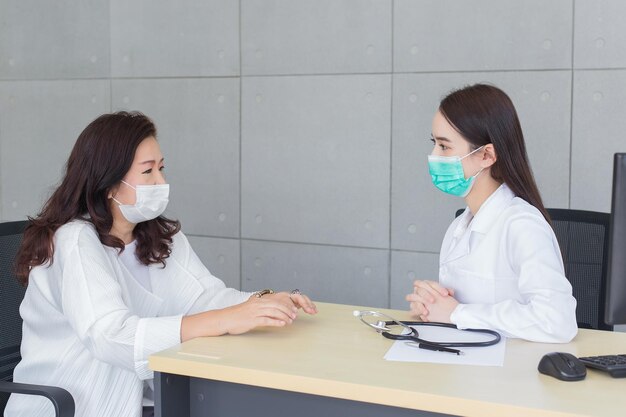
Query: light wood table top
(333, 354)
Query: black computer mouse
(563, 366)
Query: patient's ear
(489, 156)
(112, 192)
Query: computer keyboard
(615, 365)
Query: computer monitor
(615, 309)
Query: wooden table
(331, 364)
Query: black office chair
(584, 240)
(11, 294)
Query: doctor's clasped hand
(431, 302)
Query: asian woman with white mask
(500, 264)
(111, 280)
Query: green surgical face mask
(447, 174)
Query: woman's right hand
(273, 310)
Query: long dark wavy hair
(484, 114)
(100, 159)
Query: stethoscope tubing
(414, 335)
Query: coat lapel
(461, 243)
(458, 245)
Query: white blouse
(507, 271)
(139, 271)
(89, 326)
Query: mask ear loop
(475, 150)
(115, 199)
(478, 173)
(134, 188)
(481, 170)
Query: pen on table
(438, 348)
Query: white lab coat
(506, 268)
(89, 326)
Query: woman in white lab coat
(500, 264)
(111, 280)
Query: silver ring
(296, 291)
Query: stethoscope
(411, 335)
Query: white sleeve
(93, 305)
(215, 294)
(547, 311)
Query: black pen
(439, 348)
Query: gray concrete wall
(296, 131)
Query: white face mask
(150, 202)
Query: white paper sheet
(484, 356)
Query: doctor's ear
(489, 156)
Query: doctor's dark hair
(484, 114)
(100, 159)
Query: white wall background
(296, 131)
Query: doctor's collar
(463, 222)
(491, 209)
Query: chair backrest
(11, 295)
(584, 238)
